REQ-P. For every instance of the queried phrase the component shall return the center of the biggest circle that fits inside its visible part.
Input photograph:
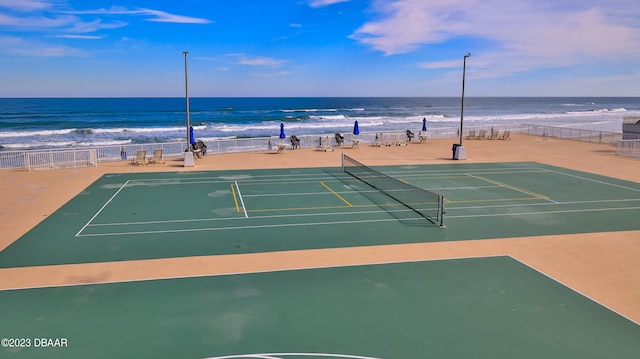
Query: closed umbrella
(424, 124)
(282, 135)
(192, 138)
(356, 129)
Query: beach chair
(157, 157)
(326, 145)
(423, 136)
(471, 135)
(494, 135)
(401, 140)
(392, 140)
(295, 142)
(380, 141)
(505, 135)
(482, 135)
(141, 158)
(339, 139)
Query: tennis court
(163, 215)
(493, 307)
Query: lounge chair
(339, 139)
(482, 135)
(326, 145)
(494, 135)
(295, 142)
(157, 157)
(471, 135)
(380, 141)
(392, 141)
(141, 158)
(423, 136)
(505, 135)
(401, 141)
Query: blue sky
(122, 48)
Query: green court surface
(493, 307)
(175, 214)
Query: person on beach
(123, 153)
(202, 147)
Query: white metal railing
(41, 160)
(628, 148)
(27, 159)
(573, 133)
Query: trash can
(454, 148)
(459, 152)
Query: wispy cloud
(26, 5)
(321, 3)
(261, 61)
(154, 15)
(516, 35)
(18, 46)
(81, 37)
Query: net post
(342, 161)
(442, 225)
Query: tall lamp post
(188, 155)
(460, 152)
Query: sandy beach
(602, 266)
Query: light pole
(188, 156)
(186, 91)
(459, 152)
(464, 68)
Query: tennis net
(427, 204)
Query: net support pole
(442, 225)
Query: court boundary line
(574, 290)
(361, 212)
(282, 355)
(314, 176)
(515, 188)
(102, 208)
(349, 265)
(595, 180)
(335, 193)
(281, 225)
(244, 208)
(210, 229)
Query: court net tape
(427, 204)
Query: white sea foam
(37, 133)
(104, 143)
(311, 110)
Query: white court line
(545, 212)
(318, 176)
(241, 200)
(323, 267)
(103, 207)
(290, 225)
(514, 188)
(253, 217)
(593, 180)
(283, 355)
(575, 290)
(282, 225)
(451, 209)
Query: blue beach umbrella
(282, 135)
(424, 124)
(356, 129)
(192, 138)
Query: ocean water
(36, 123)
